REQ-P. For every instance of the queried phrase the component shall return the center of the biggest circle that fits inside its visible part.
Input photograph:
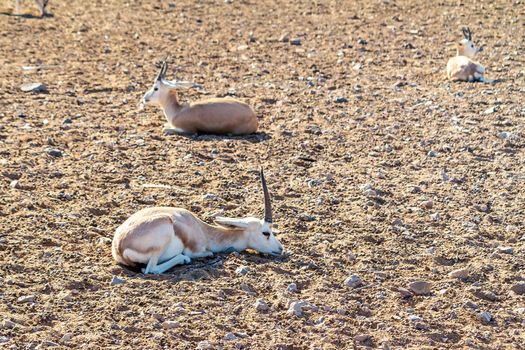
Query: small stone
(484, 294)
(67, 121)
(361, 41)
(27, 299)
(351, 256)
(210, 197)
(518, 288)
(490, 110)
(435, 216)
(353, 281)
(3, 339)
(242, 270)
(67, 337)
(115, 281)
(505, 250)
(15, 184)
(284, 38)
(420, 287)
(504, 135)
(170, 324)
(414, 318)
(459, 273)
(205, 345)
(295, 41)
(370, 193)
(471, 305)
(230, 336)
(8, 324)
(292, 288)
(404, 293)
(427, 204)
(54, 152)
(340, 99)
(297, 308)
(33, 87)
(485, 317)
(261, 305)
(49, 343)
(362, 338)
(432, 154)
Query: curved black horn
(466, 33)
(267, 203)
(163, 69)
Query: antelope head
(259, 232)
(161, 89)
(466, 46)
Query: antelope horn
(163, 70)
(466, 33)
(267, 203)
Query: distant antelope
(462, 67)
(163, 237)
(42, 4)
(213, 116)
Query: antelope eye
(155, 89)
(267, 234)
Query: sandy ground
(378, 168)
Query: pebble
(353, 281)
(54, 152)
(284, 38)
(414, 318)
(292, 288)
(15, 184)
(295, 41)
(242, 270)
(435, 216)
(404, 293)
(471, 305)
(459, 273)
(33, 87)
(427, 204)
(362, 338)
(485, 317)
(49, 343)
(230, 336)
(432, 154)
(205, 345)
(261, 305)
(504, 135)
(420, 287)
(3, 339)
(340, 99)
(518, 288)
(8, 324)
(484, 294)
(115, 281)
(170, 324)
(27, 299)
(490, 110)
(351, 256)
(210, 196)
(506, 250)
(67, 337)
(297, 308)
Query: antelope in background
(463, 67)
(162, 237)
(42, 4)
(212, 116)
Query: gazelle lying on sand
(213, 116)
(163, 237)
(41, 6)
(462, 67)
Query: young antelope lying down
(212, 116)
(40, 3)
(462, 67)
(163, 237)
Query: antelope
(212, 116)
(162, 237)
(42, 4)
(462, 67)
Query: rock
(427, 204)
(210, 197)
(54, 152)
(351, 256)
(3, 339)
(361, 41)
(518, 288)
(404, 293)
(353, 281)
(484, 294)
(33, 87)
(8, 324)
(230, 336)
(370, 193)
(292, 288)
(420, 287)
(362, 338)
(414, 318)
(490, 110)
(504, 135)
(471, 305)
(485, 317)
(295, 41)
(340, 99)
(459, 273)
(505, 250)
(298, 307)
(284, 38)
(435, 216)
(67, 337)
(248, 288)
(205, 345)
(15, 184)
(170, 324)
(49, 343)
(432, 154)
(115, 281)
(27, 299)
(242, 270)
(261, 305)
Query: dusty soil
(378, 168)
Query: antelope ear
(180, 84)
(231, 222)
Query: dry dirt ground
(378, 168)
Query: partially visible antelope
(463, 67)
(162, 237)
(42, 4)
(212, 116)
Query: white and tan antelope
(162, 237)
(42, 4)
(462, 67)
(211, 116)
